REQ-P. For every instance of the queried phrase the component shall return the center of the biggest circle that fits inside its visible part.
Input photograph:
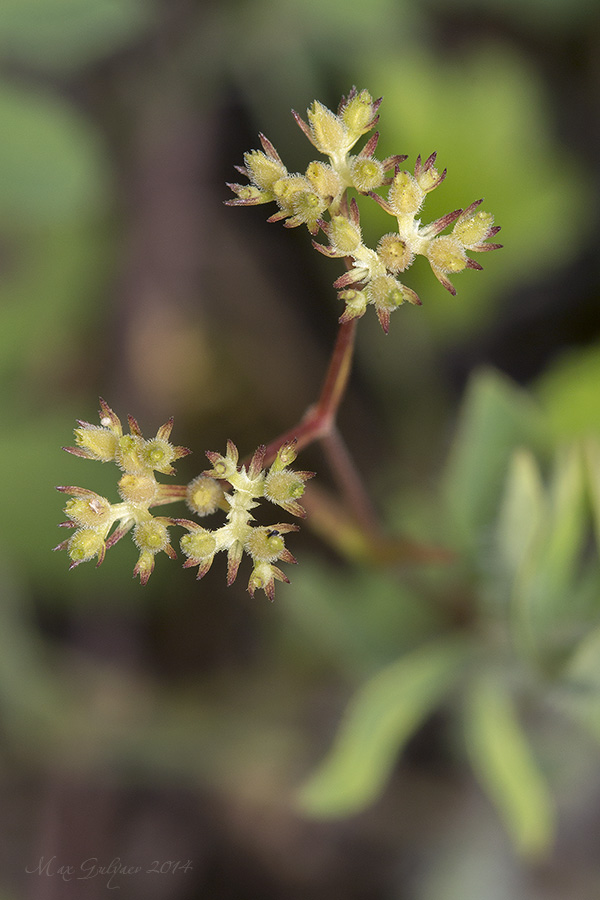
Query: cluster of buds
(319, 200)
(99, 524)
(265, 545)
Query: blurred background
(177, 722)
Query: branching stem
(320, 418)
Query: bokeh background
(178, 721)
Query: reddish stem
(320, 418)
(319, 423)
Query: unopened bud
(199, 545)
(264, 544)
(85, 544)
(98, 442)
(357, 113)
(204, 495)
(151, 536)
(139, 490)
(393, 253)
(344, 236)
(405, 195)
(92, 512)
(446, 254)
(473, 229)
(367, 174)
(329, 132)
(264, 170)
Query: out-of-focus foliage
(62, 34)
(534, 589)
(52, 159)
(382, 717)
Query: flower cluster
(99, 524)
(319, 200)
(279, 484)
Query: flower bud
(405, 196)
(204, 495)
(199, 545)
(324, 180)
(139, 490)
(358, 112)
(344, 236)
(128, 453)
(264, 171)
(356, 304)
(264, 544)
(91, 511)
(429, 178)
(394, 254)
(263, 579)
(97, 442)
(248, 194)
(329, 133)
(286, 455)
(151, 536)
(85, 544)
(446, 254)
(367, 174)
(474, 228)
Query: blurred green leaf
(48, 297)
(66, 33)
(592, 468)
(549, 593)
(379, 721)
(52, 159)
(496, 418)
(361, 619)
(581, 698)
(522, 511)
(503, 761)
(569, 393)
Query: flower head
(319, 199)
(249, 484)
(100, 523)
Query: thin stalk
(320, 418)
(349, 480)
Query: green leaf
(380, 719)
(549, 589)
(522, 511)
(503, 761)
(592, 468)
(496, 419)
(580, 699)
